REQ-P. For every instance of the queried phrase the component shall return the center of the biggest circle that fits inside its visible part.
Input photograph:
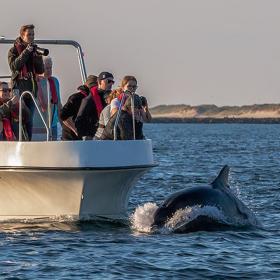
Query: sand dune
(260, 111)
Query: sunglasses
(6, 90)
(110, 81)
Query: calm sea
(188, 155)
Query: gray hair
(47, 60)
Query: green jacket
(33, 63)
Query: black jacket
(33, 62)
(87, 117)
(124, 128)
(71, 109)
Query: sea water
(188, 155)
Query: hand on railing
(15, 99)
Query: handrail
(118, 118)
(59, 42)
(119, 113)
(133, 115)
(20, 114)
(49, 109)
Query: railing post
(49, 109)
(38, 109)
(118, 117)
(133, 115)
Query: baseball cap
(105, 75)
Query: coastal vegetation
(257, 113)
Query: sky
(223, 52)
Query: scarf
(41, 95)
(20, 46)
(7, 129)
(97, 100)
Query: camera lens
(41, 51)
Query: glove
(30, 47)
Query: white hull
(79, 186)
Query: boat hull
(76, 194)
(81, 180)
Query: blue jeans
(54, 132)
(29, 124)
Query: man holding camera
(25, 63)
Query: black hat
(91, 81)
(105, 75)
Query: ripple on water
(188, 155)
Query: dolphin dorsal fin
(221, 180)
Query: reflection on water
(59, 224)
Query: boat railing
(5, 77)
(39, 111)
(72, 43)
(119, 114)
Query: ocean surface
(188, 155)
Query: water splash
(142, 218)
(189, 214)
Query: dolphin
(218, 195)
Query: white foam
(143, 217)
(184, 216)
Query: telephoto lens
(41, 51)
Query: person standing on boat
(69, 111)
(92, 106)
(45, 81)
(25, 64)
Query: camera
(41, 51)
(144, 101)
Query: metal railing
(119, 114)
(39, 111)
(49, 109)
(62, 43)
(82, 66)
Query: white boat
(76, 179)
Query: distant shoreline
(217, 120)
(257, 113)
